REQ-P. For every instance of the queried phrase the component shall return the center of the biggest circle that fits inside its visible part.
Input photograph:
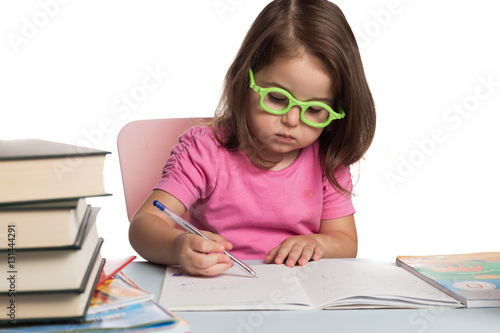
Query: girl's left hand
(296, 249)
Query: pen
(192, 229)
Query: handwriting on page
(202, 287)
(203, 284)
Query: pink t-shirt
(254, 209)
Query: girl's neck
(280, 160)
(286, 160)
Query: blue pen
(192, 229)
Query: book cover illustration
(116, 292)
(474, 276)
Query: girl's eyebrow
(269, 84)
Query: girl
(269, 178)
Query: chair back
(143, 148)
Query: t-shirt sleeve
(336, 204)
(190, 172)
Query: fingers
(208, 264)
(203, 245)
(295, 250)
(271, 256)
(199, 256)
(219, 239)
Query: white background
(429, 183)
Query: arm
(337, 238)
(156, 238)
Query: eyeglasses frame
(293, 101)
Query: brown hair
(289, 28)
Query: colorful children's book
(116, 292)
(112, 267)
(471, 278)
(146, 316)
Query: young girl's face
(283, 136)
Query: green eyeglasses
(279, 101)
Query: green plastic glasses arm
(303, 105)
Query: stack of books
(49, 246)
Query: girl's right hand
(200, 256)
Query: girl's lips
(285, 137)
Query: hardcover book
(49, 307)
(52, 270)
(38, 170)
(53, 224)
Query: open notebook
(324, 284)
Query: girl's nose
(292, 117)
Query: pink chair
(143, 148)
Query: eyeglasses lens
(278, 102)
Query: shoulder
(198, 138)
(197, 133)
(342, 171)
(342, 175)
(196, 146)
(191, 170)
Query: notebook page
(275, 288)
(327, 281)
